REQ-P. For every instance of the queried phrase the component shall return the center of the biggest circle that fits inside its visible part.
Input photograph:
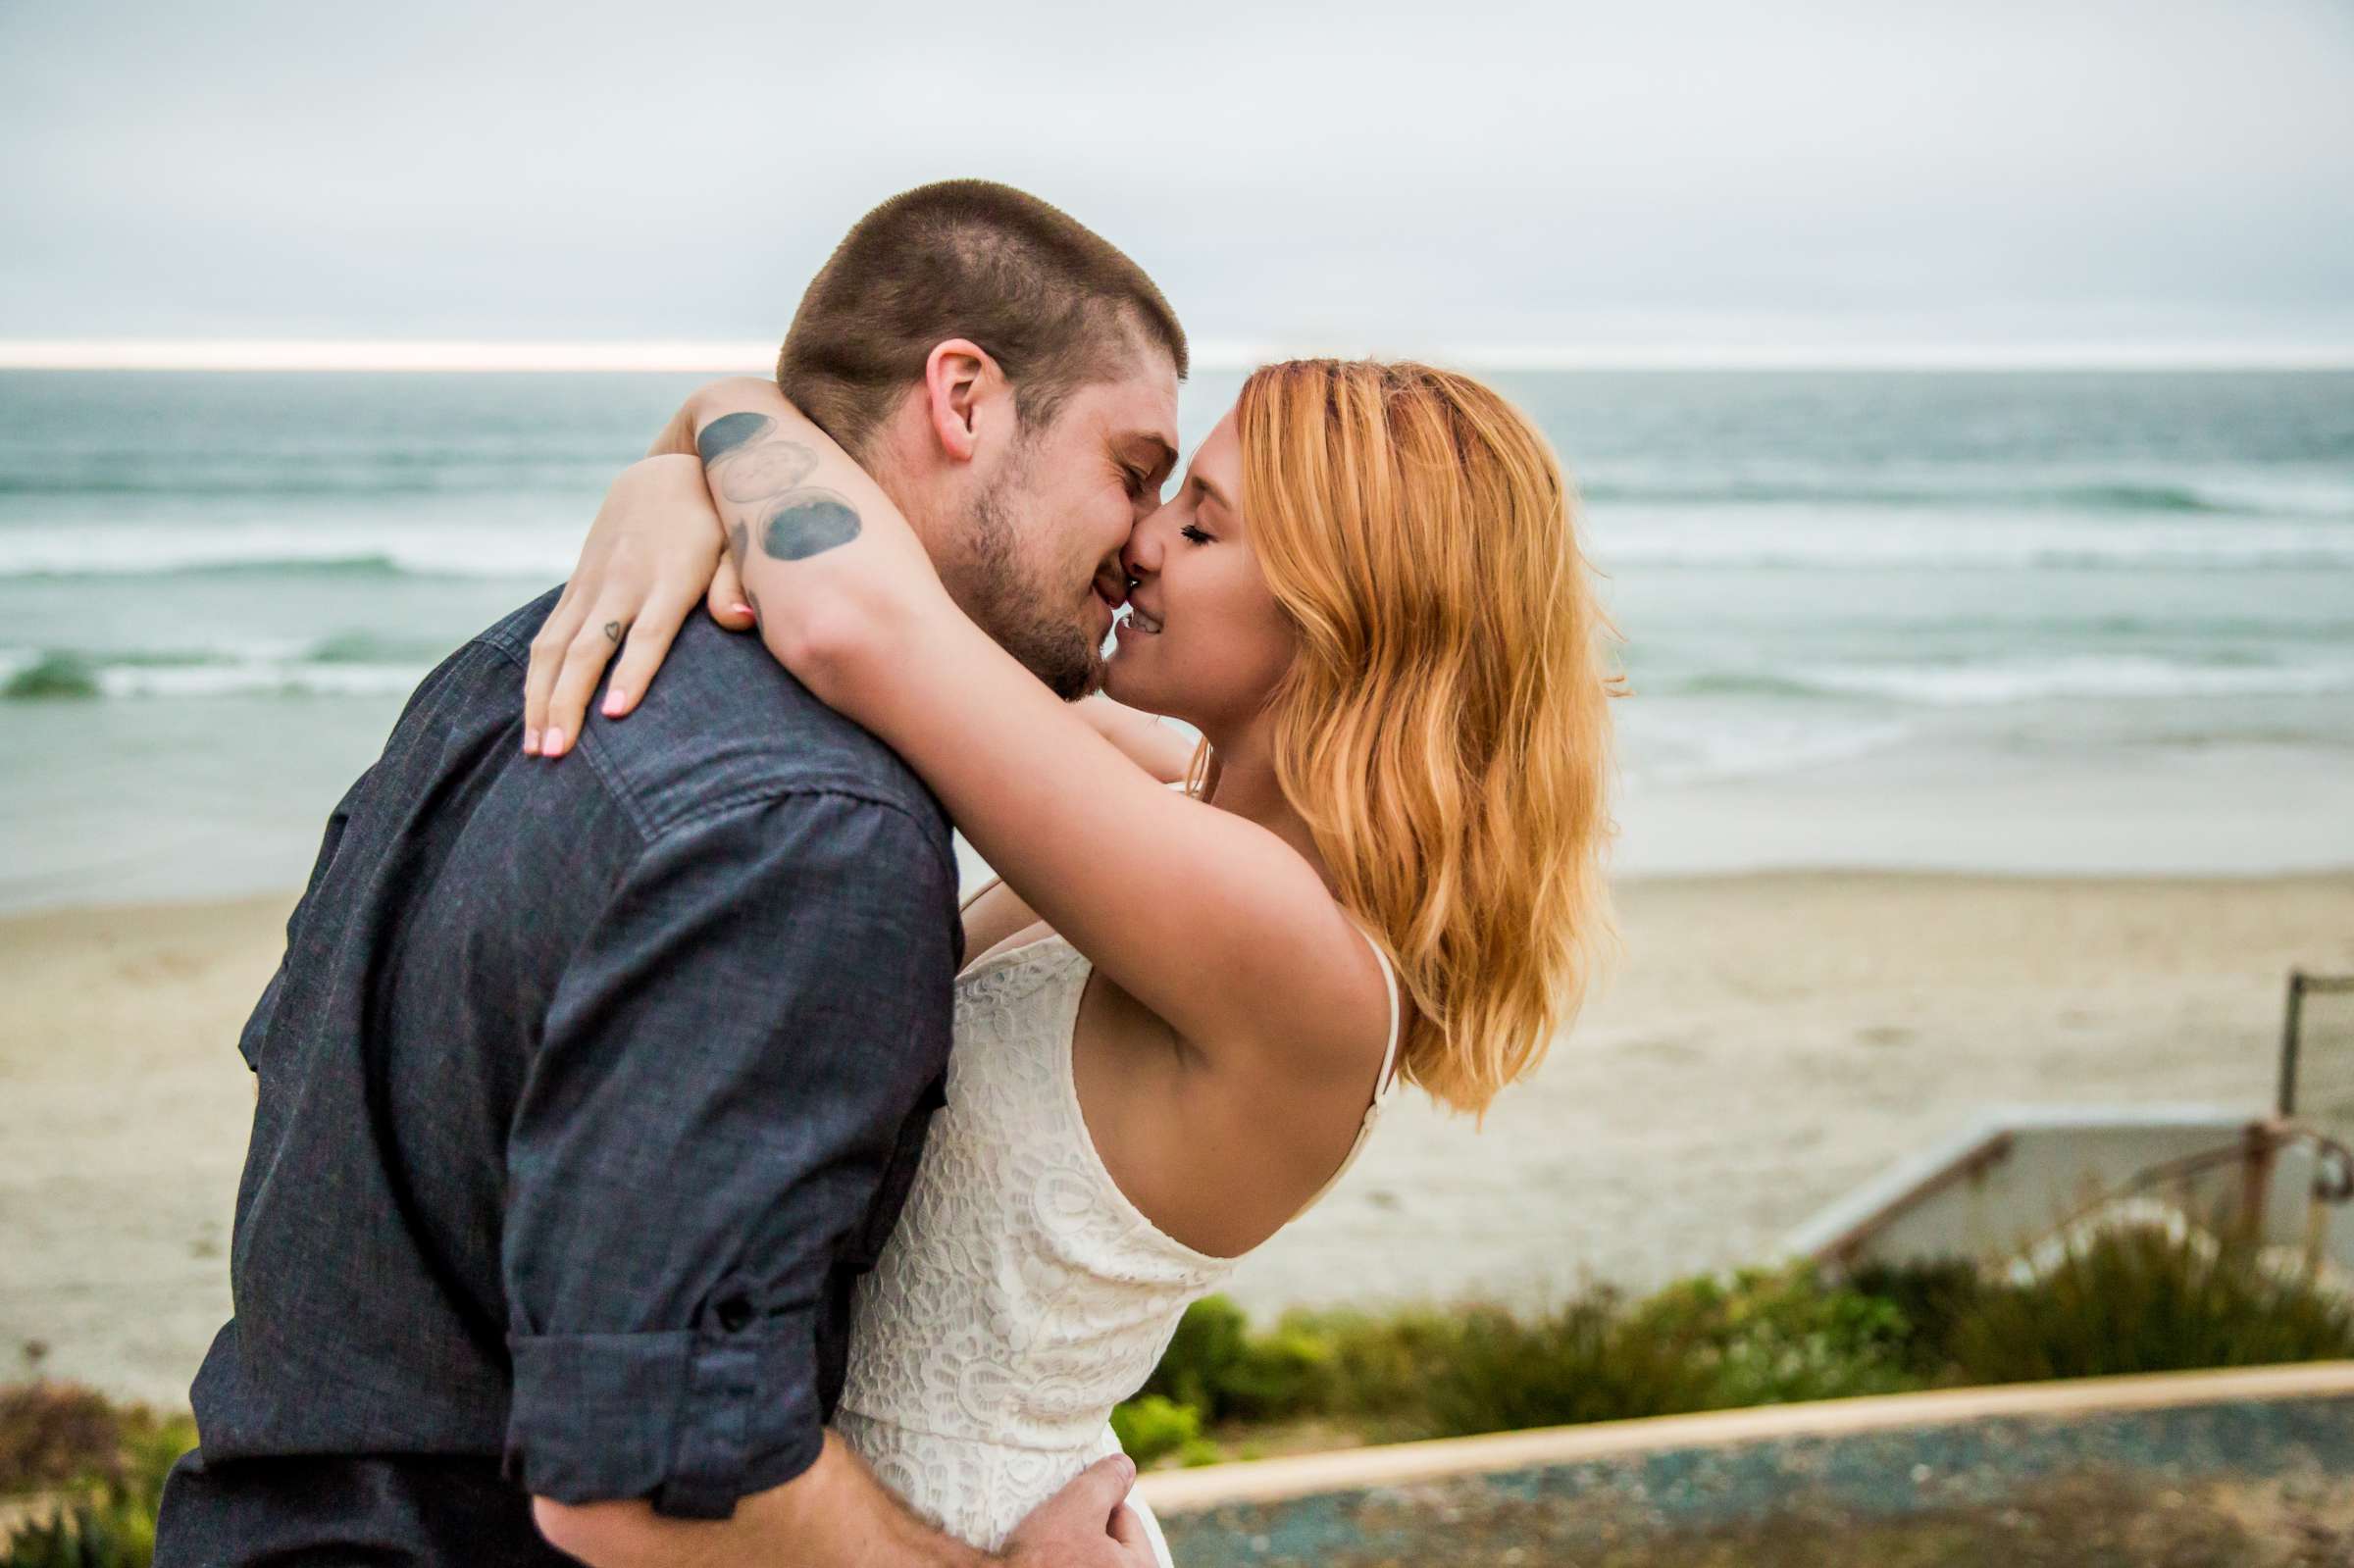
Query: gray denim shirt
(585, 1092)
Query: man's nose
(1142, 555)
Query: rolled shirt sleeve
(724, 1074)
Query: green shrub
(57, 1438)
(1152, 1427)
(1208, 1344)
(1934, 1297)
(113, 1535)
(1222, 1369)
(1282, 1372)
(1577, 1363)
(58, 1435)
(1775, 1336)
(1198, 1452)
(1703, 1343)
(2143, 1300)
(1380, 1369)
(2123, 1301)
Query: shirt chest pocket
(891, 1197)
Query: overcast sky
(1362, 174)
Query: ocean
(2032, 622)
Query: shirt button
(734, 1314)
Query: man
(586, 1091)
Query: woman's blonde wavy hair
(1444, 728)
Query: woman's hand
(654, 553)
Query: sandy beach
(1772, 1040)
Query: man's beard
(1013, 608)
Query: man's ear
(963, 390)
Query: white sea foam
(1669, 749)
(1913, 494)
(1982, 685)
(1929, 580)
(223, 668)
(538, 553)
(1810, 537)
(548, 557)
(259, 679)
(1626, 534)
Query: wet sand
(1774, 1040)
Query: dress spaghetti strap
(1383, 1087)
(975, 895)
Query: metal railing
(2292, 1023)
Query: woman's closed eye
(1193, 534)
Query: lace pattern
(1021, 1295)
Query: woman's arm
(1210, 921)
(657, 567)
(656, 538)
(1142, 739)
(705, 403)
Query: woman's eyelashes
(1193, 534)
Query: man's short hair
(1055, 304)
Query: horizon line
(690, 355)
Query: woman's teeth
(1142, 622)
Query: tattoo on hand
(613, 632)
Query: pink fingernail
(615, 701)
(739, 609)
(552, 744)
(531, 743)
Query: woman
(1184, 1011)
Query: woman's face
(1204, 640)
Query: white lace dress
(1021, 1294)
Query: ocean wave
(339, 667)
(235, 681)
(1807, 540)
(1734, 683)
(588, 480)
(545, 552)
(217, 471)
(586, 468)
(1992, 685)
(1666, 750)
(542, 555)
(2120, 496)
